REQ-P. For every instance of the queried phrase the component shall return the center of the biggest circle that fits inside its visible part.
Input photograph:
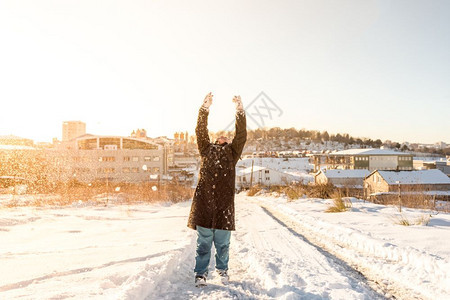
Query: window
(135, 170)
(126, 158)
(106, 143)
(87, 144)
(133, 144)
(266, 171)
(155, 170)
(147, 158)
(156, 158)
(106, 158)
(125, 170)
(267, 178)
(135, 158)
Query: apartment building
(370, 159)
(72, 129)
(115, 158)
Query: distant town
(272, 156)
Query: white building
(91, 157)
(261, 176)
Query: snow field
(89, 252)
(408, 272)
(147, 252)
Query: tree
(378, 143)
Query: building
(342, 178)
(114, 158)
(369, 159)
(443, 165)
(72, 129)
(261, 176)
(433, 182)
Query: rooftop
(337, 173)
(369, 151)
(433, 176)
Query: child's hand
(208, 100)
(237, 100)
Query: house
(262, 176)
(443, 165)
(432, 182)
(369, 159)
(342, 178)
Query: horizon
(171, 136)
(372, 69)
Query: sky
(374, 69)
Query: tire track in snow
(356, 278)
(392, 290)
(287, 266)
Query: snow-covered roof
(336, 173)
(369, 151)
(431, 193)
(434, 176)
(248, 170)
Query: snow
(415, 258)
(145, 251)
(249, 170)
(297, 167)
(279, 164)
(434, 176)
(369, 151)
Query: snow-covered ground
(147, 252)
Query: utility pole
(251, 176)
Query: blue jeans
(205, 238)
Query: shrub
(253, 190)
(294, 191)
(339, 204)
(423, 220)
(320, 191)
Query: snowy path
(267, 261)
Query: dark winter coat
(213, 201)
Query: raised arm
(201, 130)
(240, 137)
